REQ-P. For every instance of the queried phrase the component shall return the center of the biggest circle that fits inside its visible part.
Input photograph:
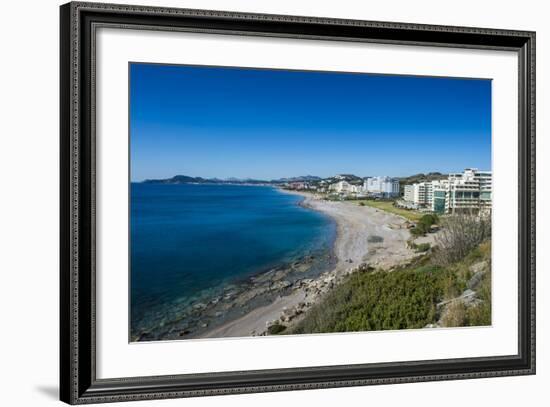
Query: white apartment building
(470, 190)
(408, 193)
(420, 194)
(342, 187)
(425, 194)
(384, 186)
(463, 192)
(485, 179)
(339, 187)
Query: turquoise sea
(188, 239)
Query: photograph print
(283, 202)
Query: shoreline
(355, 226)
(283, 295)
(211, 308)
(194, 316)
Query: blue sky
(267, 124)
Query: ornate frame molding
(79, 384)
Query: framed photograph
(255, 203)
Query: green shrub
(480, 315)
(429, 219)
(378, 301)
(420, 229)
(422, 247)
(424, 224)
(275, 329)
(455, 315)
(403, 298)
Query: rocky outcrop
(469, 297)
(478, 270)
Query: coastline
(193, 317)
(284, 294)
(353, 248)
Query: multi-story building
(384, 186)
(425, 194)
(343, 187)
(463, 192)
(485, 179)
(408, 192)
(298, 185)
(420, 194)
(460, 192)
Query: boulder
(473, 283)
(469, 298)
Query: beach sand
(356, 227)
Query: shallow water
(189, 240)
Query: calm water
(186, 239)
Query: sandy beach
(365, 235)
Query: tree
(459, 235)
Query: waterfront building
(420, 194)
(463, 192)
(408, 193)
(468, 191)
(341, 187)
(386, 187)
(424, 194)
(344, 187)
(298, 185)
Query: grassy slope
(403, 298)
(388, 207)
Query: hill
(184, 179)
(417, 178)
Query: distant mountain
(431, 176)
(352, 179)
(178, 179)
(184, 179)
(417, 178)
(311, 179)
(303, 178)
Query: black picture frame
(78, 382)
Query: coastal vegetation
(448, 285)
(380, 300)
(420, 247)
(424, 224)
(420, 294)
(459, 235)
(275, 329)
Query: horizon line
(229, 178)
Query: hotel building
(421, 194)
(463, 192)
(343, 187)
(384, 186)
